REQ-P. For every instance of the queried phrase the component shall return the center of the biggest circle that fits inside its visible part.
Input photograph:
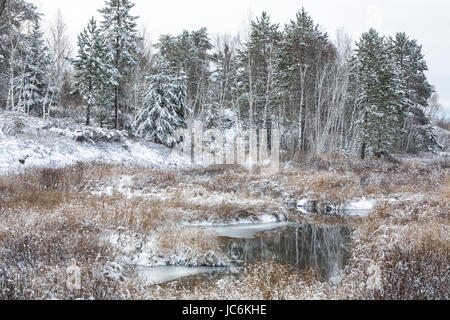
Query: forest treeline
(324, 95)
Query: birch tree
(60, 50)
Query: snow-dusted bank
(151, 224)
(30, 142)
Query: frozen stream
(303, 246)
(162, 274)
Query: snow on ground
(246, 231)
(31, 142)
(162, 274)
(136, 250)
(360, 204)
(261, 219)
(355, 207)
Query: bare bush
(418, 271)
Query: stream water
(303, 246)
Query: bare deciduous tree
(60, 49)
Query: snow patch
(356, 207)
(162, 274)
(360, 204)
(44, 143)
(245, 231)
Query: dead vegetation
(402, 251)
(260, 281)
(50, 220)
(101, 216)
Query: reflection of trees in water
(305, 246)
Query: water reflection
(304, 246)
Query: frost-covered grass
(261, 281)
(400, 251)
(105, 219)
(50, 220)
(107, 215)
(108, 218)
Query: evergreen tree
(257, 68)
(303, 51)
(411, 63)
(94, 74)
(188, 53)
(164, 107)
(169, 51)
(119, 30)
(32, 85)
(197, 70)
(418, 130)
(382, 99)
(17, 17)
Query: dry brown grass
(260, 281)
(36, 250)
(52, 217)
(50, 220)
(195, 244)
(417, 271)
(412, 262)
(408, 243)
(327, 178)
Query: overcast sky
(425, 20)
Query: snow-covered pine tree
(119, 30)
(94, 74)
(168, 49)
(136, 80)
(15, 21)
(408, 56)
(32, 85)
(198, 71)
(164, 107)
(188, 53)
(303, 50)
(257, 62)
(382, 99)
(418, 131)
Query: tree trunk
(116, 95)
(88, 108)
(363, 150)
(250, 79)
(302, 113)
(116, 108)
(2, 6)
(364, 144)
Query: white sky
(425, 20)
